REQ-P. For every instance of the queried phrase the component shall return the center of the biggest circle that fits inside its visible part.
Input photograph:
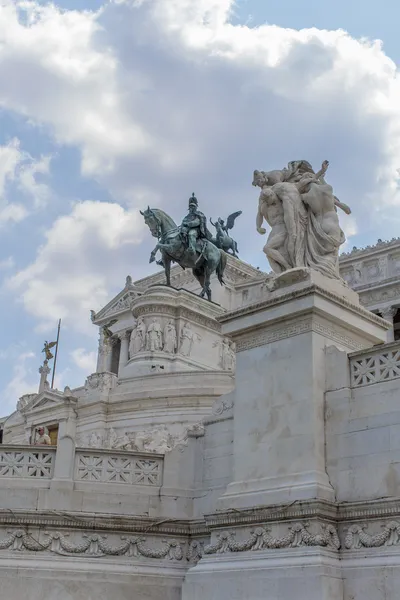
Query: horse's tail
(221, 268)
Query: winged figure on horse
(223, 240)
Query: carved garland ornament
(94, 545)
(357, 538)
(260, 539)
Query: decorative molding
(27, 463)
(261, 539)
(104, 468)
(267, 335)
(380, 245)
(106, 523)
(294, 511)
(376, 366)
(300, 293)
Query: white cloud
(84, 360)
(75, 89)
(166, 97)
(23, 381)
(85, 254)
(18, 174)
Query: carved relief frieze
(380, 295)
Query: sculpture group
(301, 210)
(154, 338)
(297, 204)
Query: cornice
(286, 512)
(300, 293)
(380, 246)
(303, 511)
(379, 349)
(115, 523)
(377, 285)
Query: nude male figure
(270, 208)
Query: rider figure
(194, 225)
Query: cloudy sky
(108, 106)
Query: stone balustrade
(375, 366)
(27, 461)
(107, 466)
(100, 466)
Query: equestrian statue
(189, 245)
(223, 239)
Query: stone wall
(363, 425)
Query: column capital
(124, 335)
(389, 312)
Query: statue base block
(279, 433)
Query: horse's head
(152, 221)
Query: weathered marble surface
(148, 505)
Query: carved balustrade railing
(114, 466)
(375, 366)
(90, 465)
(27, 462)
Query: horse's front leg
(153, 254)
(207, 285)
(167, 268)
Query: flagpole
(55, 356)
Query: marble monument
(240, 448)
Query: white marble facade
(247, 448)
(374, 272)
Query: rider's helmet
(193, 201)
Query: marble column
(388, 314)
(124, 352)
(101, 353)
(108, 348)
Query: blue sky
(106, 107)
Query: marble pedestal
(280, 502)
(279, 439)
